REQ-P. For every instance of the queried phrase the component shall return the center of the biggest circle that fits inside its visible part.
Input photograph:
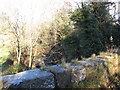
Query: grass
(12, 69)
(64, 64)
(4, 53)
(95, 78)
(113, 66)
(99, 77)
(93, 59)
(76, 61)
(113, 63)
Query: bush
(13, 69)
(96, 78)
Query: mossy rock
(96, 77)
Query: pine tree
(88, 34)
(104, 19)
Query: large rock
(66, 76)
(35, 78)
(90, 62)
(78, 73)
(60, 75)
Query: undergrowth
(13, 69)
(94, 78)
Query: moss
(94, 78)
(83, 59)
(75, 61)
(93, 59)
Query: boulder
(1, 84)
(35, 78)
(91, 62)
(60, 75)
(65, 76)
(78, 73)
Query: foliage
(70, 45)
(64, 64)
(116, 35)
(88, 35)
(94, 30)
(13, 69)
(62, 24)
(94, 78)
(108, 25)
(4, 55)
(115, 80)
(113, 68)
(78, 34)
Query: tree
(15, 31)
(18, 31)
(104, 19)
(63, 24)
(34, 36)
(116, 35)
(88, 34)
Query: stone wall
(60, 75)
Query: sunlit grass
(113, 61)
(99, 77)
(4, 53)
(95, 78)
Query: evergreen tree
(104, 19)
(88, 34)
(116, 35)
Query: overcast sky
(35, 10)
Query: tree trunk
(30, 62)
(31, 51)
(18, 51)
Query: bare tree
(34, 36)
(17, 28)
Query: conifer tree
(104, 19)
(88, 34)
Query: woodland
(87, 31)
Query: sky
(31, 10)
(34, 10)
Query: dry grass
(98, 77)
(113, 61)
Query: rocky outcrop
(60, 75)
(36, 78)
(90, 62)
(67, 74)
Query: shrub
(96, 77)
(13, 69)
